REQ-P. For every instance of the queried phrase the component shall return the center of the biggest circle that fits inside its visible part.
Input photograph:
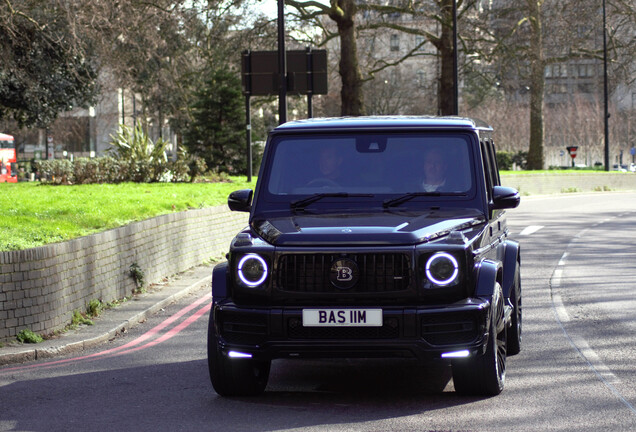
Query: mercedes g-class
(371, 237)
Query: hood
(388, 228)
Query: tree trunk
(446, 94)
(351, 93)
(537, 84)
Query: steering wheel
(323, 182)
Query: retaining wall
(41, 287)
(547, 183)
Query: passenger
(435, 170)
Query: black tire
(235, 376)
(514, 331)
(485, 375)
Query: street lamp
(455, 62)
(282, 65)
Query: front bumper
(407, 332)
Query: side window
(485, 157)
(496, 181)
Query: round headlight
(442, 268)
(252, 270)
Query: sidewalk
(112, 321)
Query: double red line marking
(135, 345)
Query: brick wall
(41, 287)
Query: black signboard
(306, 72)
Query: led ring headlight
(442, 268)
(252, 270)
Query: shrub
(56, 171)
(94, 308)
(110, 170)
(521, 159)
(86, 170)
(146, 161)
(504, 160)
(28, 336)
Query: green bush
(504, 160)
(56, 171)
(146, 161)
(28, 336)
(110, 170)
(85, 170)
(94, 308)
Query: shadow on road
(179, 396)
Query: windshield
(387, 165)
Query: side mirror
(240, 200)
(504, 198)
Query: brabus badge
(344, 273)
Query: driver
(435, 170)
(329, 163)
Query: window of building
(395, 42)
(420, 78)
(419, 41)
(582, 70)
(394, 77)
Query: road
(575, 372)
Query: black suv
(371, 237)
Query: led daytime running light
(456, 354)
(442, 255)
(237, 354)
(242, 276)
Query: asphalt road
(575, 372)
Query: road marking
(561, 311)
(144, 337)
(530, 230)
(172, 332)
(580, 345)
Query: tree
(523, 39)
(217, 129)
(47, 66)
(352, 18)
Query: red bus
(7, 159)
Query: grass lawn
(33, 214)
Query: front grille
(243, 328)
(389, 330)
(378, 273)
(444, 329)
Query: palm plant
(147, 161)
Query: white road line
(530, 230)
(592, 359)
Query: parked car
(371, 237)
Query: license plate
(342, 317)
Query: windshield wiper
(406, 197)
(302, 203)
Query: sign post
(572, 150)
(305, 74)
